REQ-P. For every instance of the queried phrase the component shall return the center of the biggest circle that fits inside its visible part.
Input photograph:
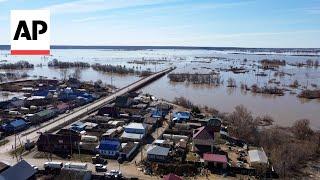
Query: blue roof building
(181, 116)
(109, 148)
(157, 113)
(21, 170)
(78, 126)
(14, 126)
(41, 93)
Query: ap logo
(30, 32)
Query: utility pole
(79, 152)
(141, 148)
(111, 77)
(15, 143)
(70, 143)
(284, 170)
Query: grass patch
(82, 157)
(3, 142)
(192, 157)
(17, 151)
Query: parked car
(100, 168)
(99, 160)
(35, 167)
(114, 174)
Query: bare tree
(301, 129)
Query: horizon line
(7, 47)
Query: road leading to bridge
(85, 110)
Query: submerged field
(236, 70)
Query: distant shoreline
(279, 50)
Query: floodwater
(284, 109)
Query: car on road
(113, 174)
(35, 167)
(100, 168)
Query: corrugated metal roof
(17, 123)
(158, 150)
(132, 135)
(109, 145)
(20, 171)
(136, 126)
(258, 156)
(215, 158)
(45, 112)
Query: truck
(86, 138)
(73, 165)
(53, 165)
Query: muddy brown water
(285, 109)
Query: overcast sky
(248, 23)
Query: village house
(154, 122)
(164, 108)
(128, 150)
(42, 116)
(181, 116)
(109, 110)
(215, 123)
(215, 160)
(63, 142)
(134, 131)
(158, 154)
(14, 126)
(203, 139)
(123, 101)
(109, 148)
(16, 103)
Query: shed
(158, 153)
(217, 160)
(257, 156)
(110, 133)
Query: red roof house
(217, 160)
